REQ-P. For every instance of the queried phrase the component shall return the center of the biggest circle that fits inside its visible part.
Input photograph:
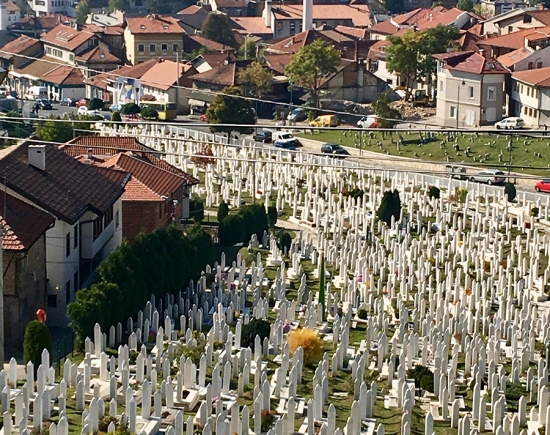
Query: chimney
(482, 52)
(90, 154)
(541, 6)
(307, 15)
(37, 156)
(267, 13)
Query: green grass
(525, 150)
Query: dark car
(287, 145)
(332, 148)
(44, 104)
(69, 102)
(263, 136)
(297, 115)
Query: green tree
(257, 80)
(216, 27)
(396, 205)
(37, 338)
(272, 214)
(130, 109)
(95, 104)
(390, 206)
(223, 211)
(310, 66)
(248, 50)
(61, 130)
(227, 108)
(115, 117)
(149, 113)
(82, 11)
(285, 240)
(259, 327)
(231, 230)
(119, 5)
(510, 190)
(434, 192)
(394, 6)
(465, 5)
(196, 208)
(386, 115)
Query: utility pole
(177, 81)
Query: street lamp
(458, 103)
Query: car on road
(543, 185)
(335, 149)
(325, 121)
(82, 102)
(367, 122)
(297, 115)
(264, 136)
(44, 104)
(458, 172)
(285, 145)
(203, 117)
(115, 107)
(69, 102)
(83, 111)
(489, 176)
(512, 123)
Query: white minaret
(267, 13)
(307, 18)
(3, 15)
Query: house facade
(87, 225)
(530, 96)
(471, 90)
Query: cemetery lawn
(484, 147)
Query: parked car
(332, 148)
(489, 176)
(543, 185)
(82, 102)
(512, 123)
(203, 117)
(44, 104)
(264, 136)
(325, 121)
(69, 102)
(297, 115)
(367, 122)
(285, 145)
(83, 111)
(115, 107)
(458, 172)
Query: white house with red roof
(530, 96)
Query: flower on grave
(304, 308)
(286, 327)
(468, 291)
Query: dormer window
(165, 27)
(142, 26)
(102, 55)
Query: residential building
(56, 7)
(525, 58)
(246, 27)
(96, 61)
(17, 53)
(111, 36)
(36, 26)
(24, 230)
(194, 43)
(534, 38)
(530, 96)
(151, 37)
(87, 221)
(65, 42)
(517, 17)
(29, 74)
(494, 8)
(192, 17)
(470, 89)
(232, 8)
(156, 193)
(10, 13)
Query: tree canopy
(81, 11)
(130, 109)
(119, 5)
(385, 114)
(62, 129)
(411, 55)
(216, 27)
(149, 113)
(465, 5)
(394, 6)
(249, 48)
(311, 64)
(257, 80)
(95, 104)
(228, 109)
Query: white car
(512, 123)
(367, 122)
(83, 111)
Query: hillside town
(258, 217)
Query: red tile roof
(515, 56)
(252, 25)
(444, 19)
(39, 67)
(102, 81)
(164, 75)
(219, 74)
(98, 55)
(471, 62)
(231, 3)
(12, 7)
(102, 146)
(277, 62)
(538, 77)
(66, 37)
(63, 188)
(359, 14)
(64, 75)
(542, 16)
(192, 42)
(23, 223)
(154, 24)
(513, 40)
(353, 31)
(18, 46)
(190, 10)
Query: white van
(37, 92)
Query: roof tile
(154, 24)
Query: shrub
(389, 206)
(461, 195)
(308, 340)
(37, 338)
(105, 421)
(95, 104)
(423, 377)
(223, 211)
(510, 190)
(434, 192)
(272, 214)
(149, 113)
(130, 109)
(266, 420)
(254, 327)
(196, 208)
(515, 390)
(285, 241)
(534, 212)
(362, 314)
(231, 230)
(195, 352)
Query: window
(453, 112)
(527, 18)
(491, 93)
(108, 217)
(98, 227)
(440, 85)
(52, 301)
(68, 244)
(117, 219)
(539, 64)
(292, 27)
(164, 47)
(40, 3)
(75, 243)
(175, 47)
(510, 29)
(152, 48)
(141, 48)
(471, 92)
(68, 292)
(530, 65)
(48, 50)
(57, 53)
(71, 57)
(279, 25)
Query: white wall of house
(538, 59)
(526, 102)
(46, 7)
